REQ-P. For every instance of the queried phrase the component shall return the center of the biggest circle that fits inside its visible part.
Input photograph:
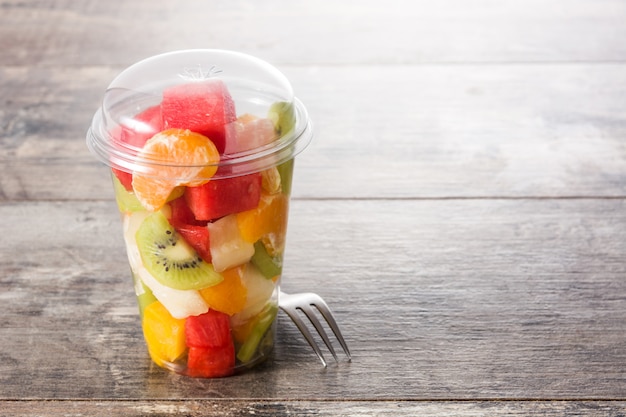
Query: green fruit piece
(145, 298)
(171, 260)
(267, 265)
(282, 115)
(126, 201)
(286, 173)
(263, 322)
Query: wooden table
(462, 207)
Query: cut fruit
(260, 290)
(271, 182)
(173, 158)
(269, 266)
(205, 107)
(126, 200)
(134, 133)
(219, 198)
(211, 329)
(286, 175)
(169, 259)
(194, 232)
(228, 249)
(270, 217)
(143, 293)
(164, 334)
(211, 362)
(250, 132)
(282, 115)
(211, 347)
(258, 328)
(229, 296)
(179, 303)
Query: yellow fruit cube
(269, 218)
(164, 334)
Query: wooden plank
(229, 408)
(64, 33)
(425, 131)
(452, 299)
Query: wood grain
(66, 33)
(426, 132)
(230, 408)
(465, 300)
(462, 208)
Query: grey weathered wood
(68, 33)
(434, 131)
(230, 408)
(462, 207)
(439, 299)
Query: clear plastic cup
(201, 146)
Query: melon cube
(228, 248)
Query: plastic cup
(201, 146)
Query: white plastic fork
(293, 304)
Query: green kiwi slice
(171, 260)
(268, 266)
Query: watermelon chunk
(219, 198)
(203, 107)
(194, 232)
(135, 133)
(215, 362)
(211, 349)
(211, 329)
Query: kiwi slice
(268, 266)
(171, 260)
(282, 115)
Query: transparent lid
(245, 106)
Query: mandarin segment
(229, 296)
(269, 218)
(173, 158)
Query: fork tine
(305, 332)
(308, 311)
(330, 319)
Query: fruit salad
(205, 243)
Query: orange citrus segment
(268, 219)
(164, 335)
(172, 158)
(229, 296)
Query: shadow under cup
(201, 146)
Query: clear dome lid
(244, 105)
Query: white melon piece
(259, 292)
(228, 249)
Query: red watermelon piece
(196, 233)
(215, 362)
(221, 197)
(211, 349)
(211, 329)
(135, 133)
(204, 107)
